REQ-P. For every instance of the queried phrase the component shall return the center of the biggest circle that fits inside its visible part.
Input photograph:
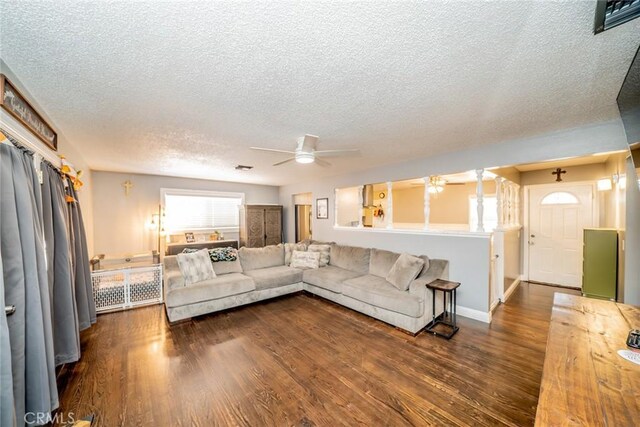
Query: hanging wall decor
(18, 106)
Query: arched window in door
(559, 198)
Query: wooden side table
(447, 318)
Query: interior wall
(120, 219)
(348, 199)
(585, 140)
(452, 205)
(574, 174)
(66, 148)
(408, 205)
(632, 240)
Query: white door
(558, 214)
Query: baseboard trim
(474, 314)
(512, 288)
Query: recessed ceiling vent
(611, 13)
(243, 167)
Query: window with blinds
(201, 210)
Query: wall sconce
(604, 184)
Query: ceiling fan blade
(322, 163)
(335, 153)
(273, 150)
(284, 161)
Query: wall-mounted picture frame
(189, 237)
(322, 208)
(17, 105)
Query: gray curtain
(84, 290)
(60, 273)
(7, 412)
(26, 286)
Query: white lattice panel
(127, 287)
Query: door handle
(9, 310)
(533, 236)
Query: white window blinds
(201, 211)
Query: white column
(499, 202)
(517, 206)
(389, 214)
(335, 208)
(427, 208)
(479, 196)
(360, 208)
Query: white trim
(595, 207)
(473, 314)
(419, 231)
(511, 289)
(28, 139)
(495, 304)
(210, 193)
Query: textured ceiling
(184, 88)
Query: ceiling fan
(306, 152)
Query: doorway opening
(302, 211)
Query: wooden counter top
(584, 380)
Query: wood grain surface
(585, 382)
(301, 360)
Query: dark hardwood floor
(301, 360)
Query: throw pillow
(217, 254)
(289, 248)
(404, 271)
(196, 266)
(324, 250)
(303, 259)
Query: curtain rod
(18, 131)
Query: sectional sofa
(354, 278)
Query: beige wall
(452, 205)
(119, 220)
(574, 174)
(408, 205)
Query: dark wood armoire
(260, 225)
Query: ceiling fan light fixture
(305, 158)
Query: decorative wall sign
(18, 106)
(322, 208)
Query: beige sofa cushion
(289, 248)
(378, 292)
(329, 277)
(220, 287)
(325, 253)
(406, 268)
(350, 258)
(255, 258)
(226, 267)
(273, 277)
(381, 262)
(195, 266)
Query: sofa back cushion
(226, 267)
(350, 258)
(255, 258)
(426, 266)
(404, 271)
(196, 267)
(381, 262)
(289, 248)
(323, 250)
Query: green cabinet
(600, 263)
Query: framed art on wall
(18, 106)
(322, 208)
